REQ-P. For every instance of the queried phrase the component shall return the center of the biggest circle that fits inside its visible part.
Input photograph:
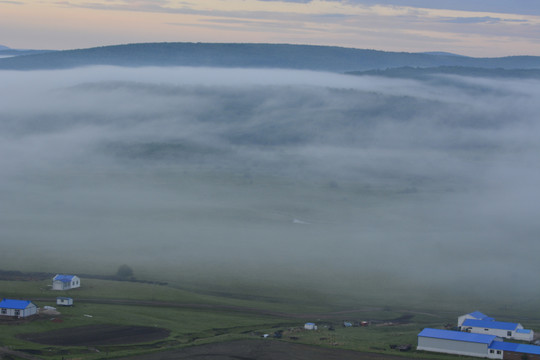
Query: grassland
(195, 318)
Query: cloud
(522, 7)
(475, 20)
(290, 1)
(483, 19)
(212, 168)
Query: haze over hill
(306, 57)
(305, 177)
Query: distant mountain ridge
(251, 55)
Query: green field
(194, 317)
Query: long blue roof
(64, 278)
(14, 304)
(457, 335)
(499, 325)
(521, 348)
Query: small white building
(64, 301)
(476, 315)
(310, 326)
(18, 308)
(501, 329)
(65, 282)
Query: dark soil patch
(262, 350)
(92, 335)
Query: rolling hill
(307, 57)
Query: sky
(479, 28)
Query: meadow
(194, 318)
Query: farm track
(241, 309)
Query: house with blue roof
(65, 282)
(502, 329)
(476, 315)
(18, 308)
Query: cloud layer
(241, 171)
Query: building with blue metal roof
(455, 342)
(499, 328)
(65, 282)
(477, 315)
(471, 344)
(457, 335)
(508, 348)
(18, 308)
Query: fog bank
(247, 172)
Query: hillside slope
(323, 58)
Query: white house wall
(64, 301)
(30, 310)
(58, 285)
(496, 332)
(61, 285)
(452, 347)
(462, 318)
(524, 337)
(494, 355)
(75, 282)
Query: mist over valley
(314, 180)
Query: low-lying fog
(245, 173)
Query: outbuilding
(18, 308)
(310, 326)
(65, 282)
(64, 301)
(514, 351)
(455, 342)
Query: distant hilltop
(287, 56)
(7, 51)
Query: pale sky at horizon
(480, 28)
